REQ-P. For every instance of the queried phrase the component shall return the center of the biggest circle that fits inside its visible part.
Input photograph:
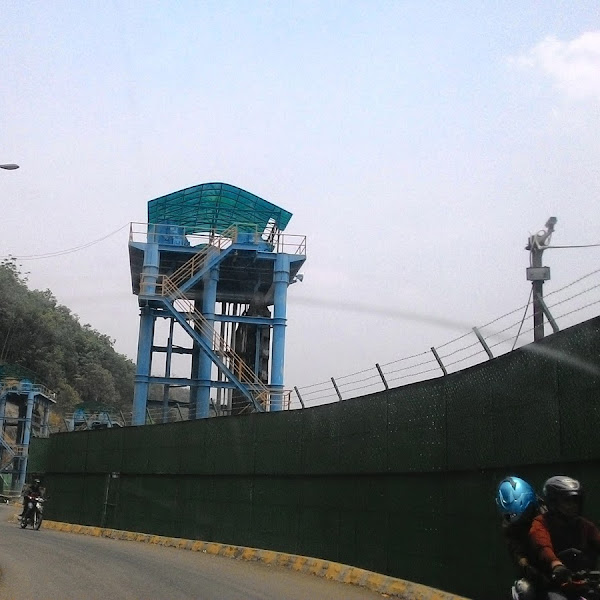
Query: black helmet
(561, 487)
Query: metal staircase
(11, 451)
(171, 290)
(221, 353)
(190, 271)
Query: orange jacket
(551, 533)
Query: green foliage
(74, 360)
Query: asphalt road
(45, 564)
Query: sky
(417, 144)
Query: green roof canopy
(214, 207)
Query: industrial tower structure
(212, 261)
(24, 412)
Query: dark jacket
(33, 490)
(516, 536)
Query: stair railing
(233, 361)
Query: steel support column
(45, 418)
(209, 299)
(26, 438)
(166, 387)
(281, 281)
(2, 412)
(144, 364)
(146, 337)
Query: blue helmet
(515, 497)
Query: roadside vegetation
(47, 339)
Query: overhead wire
(68, 250)
(575, 246)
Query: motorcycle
(585, 585)
(585, 582)
(34, 508)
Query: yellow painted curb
(389, 586)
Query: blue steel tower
(214, 262)
(24, 413)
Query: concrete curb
(388, 586)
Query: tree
(77, 362)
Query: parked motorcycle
(34, 508)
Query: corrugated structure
(401, 482)
(214, 207)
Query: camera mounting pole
(537, 274)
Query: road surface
(45, 564)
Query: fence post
(483, 342)
(299, 397)
(149, 416)
(439, 360)
(385, 383)
(336, 388)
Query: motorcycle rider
(35, 490)
(562, 528)
(519, 505)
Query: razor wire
(412, 368)
(377, 379)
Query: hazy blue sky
(416, 143)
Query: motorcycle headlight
(30, 505)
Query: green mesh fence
(401, 482)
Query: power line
(581, 246)
(67, 251)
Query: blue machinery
(24, 411)
(212, 261)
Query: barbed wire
(402, 359)
(578, 309)
(362, 387)
(408, 371)
(425, 362)
(415, 374)
(373, 378)
(573, 283)
(575, 296)
(463, 349)
(480, 351)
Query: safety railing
(259, 391)
(155, 413)
(197, 262)
(9, 452)
(20, 387)
(290, 243)
(175, 235)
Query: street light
(9, 167)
